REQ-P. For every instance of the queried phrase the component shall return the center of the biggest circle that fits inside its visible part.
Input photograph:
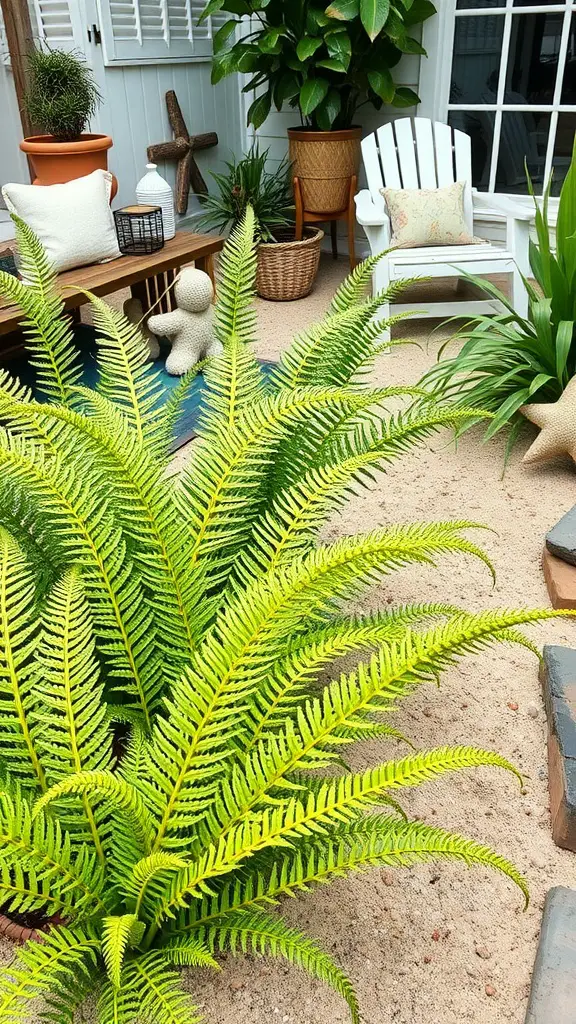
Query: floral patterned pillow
(428, 216)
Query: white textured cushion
(73, 221)
(428, 216)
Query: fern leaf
(234, 315)
(234, 381)
(265, 935)
(71, 715)
(48, 332)
(354, 287)
(120, 794)
(188, 951)
(335, 801)
(63, 965)
(40, 868)
(18, 638)
(369, 841)
(78, 510)
(125, 375)
(148, 871)
(150, 991)
(118, 933)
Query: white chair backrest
(418, 153)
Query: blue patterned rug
(86, 341)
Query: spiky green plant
(207, 603)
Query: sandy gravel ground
(437, 944)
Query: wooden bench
(148, 277)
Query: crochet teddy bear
(189, 327)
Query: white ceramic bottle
(154, 190)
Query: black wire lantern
(139, 229)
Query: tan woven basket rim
(313, 235)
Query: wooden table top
(103, 278)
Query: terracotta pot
(324, 162)
(55, 162)
(18, 932)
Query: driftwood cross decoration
(182, 149)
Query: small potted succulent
(61, 99)
(287, 267)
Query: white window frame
(436, 71)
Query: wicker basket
(324, 162)
(287, 270)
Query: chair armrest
(487, 202)
(367, 213)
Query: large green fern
(172, 767)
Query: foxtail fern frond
(48, 331)
(174, 724)
(234, 314)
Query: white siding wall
(134, 114)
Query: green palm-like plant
(198, 611)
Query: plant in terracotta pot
(324, 62)
(61, 99)
(286, 267)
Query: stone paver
(560, 579)
(553, 992)
(558, 676)
(561, 539)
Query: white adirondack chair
(417, 153)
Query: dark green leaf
(404, 97)
(373, 14)
(418, 11)
(223, 34)
(328, 110)
(312, 93)
(307, 47)
(339, 46)
(211, 8)
(332, 64)
(383, 84)
(260, 109)
(286, 86)
(564, 339)
(344, 10)
(269, 41)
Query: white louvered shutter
(153, 31)
(58, 23)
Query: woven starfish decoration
(557, 421)
(182, 149)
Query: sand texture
(436, 944)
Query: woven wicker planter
(287, 270)
(324, 162)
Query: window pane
(562, 150)
(533, 58)
(523, 136)
(469, 5)
(476, 62)
(569, 82)
(479, 125)
(535, 3)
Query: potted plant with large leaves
(287, 266)
(324, 62)
(61, 99)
